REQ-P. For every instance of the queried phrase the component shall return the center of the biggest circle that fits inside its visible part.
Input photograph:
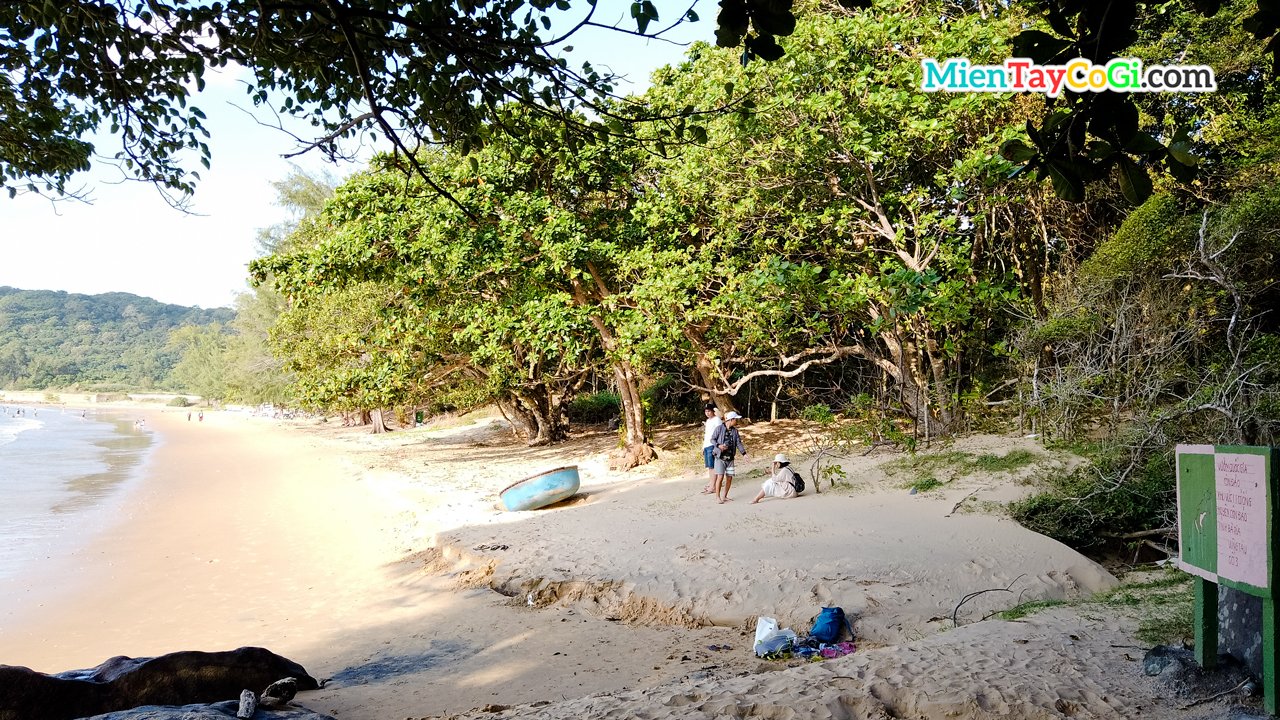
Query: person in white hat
(783, 483)
(727, 443)
(708, 448)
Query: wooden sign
(1226, 516)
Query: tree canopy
(448, 72)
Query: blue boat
(542, 489)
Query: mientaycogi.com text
(1078, 75)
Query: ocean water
(60, 476)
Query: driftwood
(955, 613)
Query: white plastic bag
(769, 639)
(765, 626)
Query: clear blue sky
(128, 240)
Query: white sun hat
(780, 457)
(731, 415)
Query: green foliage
(58, 339)
(446, 69)
(204, 365)
(1162, 601)
(1018, 612)
(179, 401)
(1146, 240)
(924, 465)
(596, 407)
(923, 485)
(1072, 508)
(1012, 460)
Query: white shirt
(710, 427)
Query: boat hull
(542, 489)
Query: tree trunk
(523, 425)
(705, 370)
(535, 415)
(706, 375)
(545, 415)
(638, 450)
(379, 422)
(913, 386)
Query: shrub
(179, 401)
(1074, 508)
(594, 408)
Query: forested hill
(112, 341)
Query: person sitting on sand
(728, 443)
(708, 447)
(783, 483)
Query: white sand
(357, 556)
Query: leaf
(1067, 184)
(769, 23)
(1142, 143)
(765, 47)
(1135, 184)
(1040, 46)
(1180, 172)
(1181, 147)
(1099, 149)
(1125, 120)
(475, 165)
(1055, 120)
(1015, 150)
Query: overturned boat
(542, 489)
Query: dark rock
(216, 711)
(1157, 659)
(121, 683)
(280, 692)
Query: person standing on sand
(708, 447)
(783, 483)
(728, 443)
(201, 416)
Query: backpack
(797, 482)
(731, 451)
(826, 629)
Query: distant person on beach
(728, 443)
(201, 416)
(783, 483)
(188, 417)
(708, 447)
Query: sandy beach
(382, 564)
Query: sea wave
(11, 427)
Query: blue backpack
(827, 627)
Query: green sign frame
(1227, 500)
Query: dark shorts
(709, 457)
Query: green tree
(422, 73)
(204, 366)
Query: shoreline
(92, 507)
(187, 561)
